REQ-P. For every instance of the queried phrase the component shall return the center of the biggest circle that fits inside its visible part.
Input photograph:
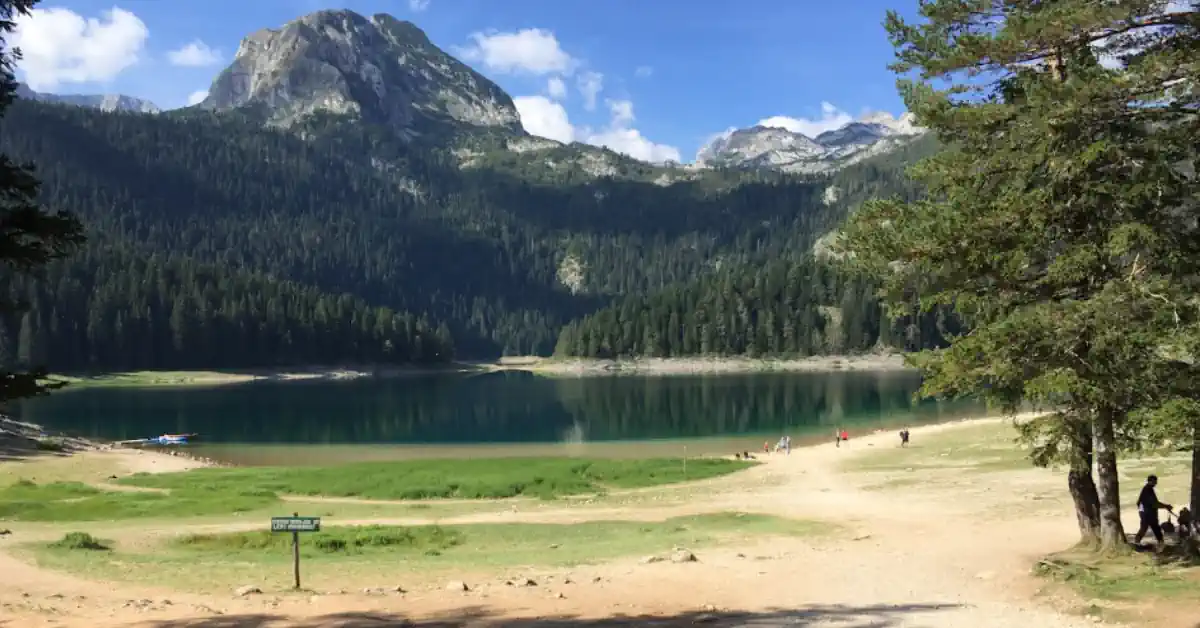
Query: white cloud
(530, 50)
(197, 97)
(61, 46)
(831, 118)
(545, 118)
(622, 112)
(643, 71)
(590, 84)
(416, 6)
(195, 54)
(556, 88)
(621, 137)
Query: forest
(205, 230)
(792, 309)
(121, 310)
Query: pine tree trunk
(1082, 485)
(1112, 532)
(1195, 492)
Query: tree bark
(1194, 500)
(1082, 485)
(1112, 532)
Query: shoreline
(211, 378)
(20, 440)
(890, 362)
(549, 367)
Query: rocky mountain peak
(789, 151)
(379, 69)
(758, 146)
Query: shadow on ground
(879, 616)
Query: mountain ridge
(384, 71)
(103, 102)
(777, 148)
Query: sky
(655, 79)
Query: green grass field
(341, 557)
(441, 479)
(206, 492)
(74, 501)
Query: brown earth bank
(919, 536)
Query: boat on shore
(165, 440)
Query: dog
(1187, 525)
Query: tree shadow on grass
(875, 616)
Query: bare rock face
(103, 102)
(788, 151)
(379, 69)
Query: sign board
(295, 524)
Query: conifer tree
(1057, 223)
(30, 235)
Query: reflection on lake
(571, 415)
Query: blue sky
(674, 73)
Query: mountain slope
(504, 262)
(784, 305)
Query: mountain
(304, 211)
(378, 70)
(787, 151)
(103, 102)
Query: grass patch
(341, 541)
(73, 501)
(79, 541)
(343, 557)
(1138, 578)
(440, 479)
(984, 448)
(205, 492)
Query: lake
(503, 413)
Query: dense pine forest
(781, 309)
(340, 244)
(125, 311)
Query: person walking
(904, 437)
(1148, 507)
(837, 437)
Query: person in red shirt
(845, 435)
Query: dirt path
(911, 557)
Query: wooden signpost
(296, 524)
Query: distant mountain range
(787, 151)
(103, 102)
(386, 72)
